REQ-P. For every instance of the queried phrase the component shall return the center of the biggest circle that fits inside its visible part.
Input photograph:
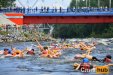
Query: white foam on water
(53, 66)
(104, 41)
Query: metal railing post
(98, 3)
(109, 3)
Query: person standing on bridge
(47, 10)
(60, 9)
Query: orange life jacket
(17, 52)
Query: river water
(35, 65)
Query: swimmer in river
(85, 65)
(49, 52)
(7, 53)
(31, 52)
(17, 53)
(90, 57)
(107, 59)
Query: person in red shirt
(31, 52)
(107, 59)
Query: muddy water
(43, 66)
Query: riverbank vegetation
(85, 30)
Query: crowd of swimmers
(55, 51)
(16, 52)
(87, 57)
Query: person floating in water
(31, 52)
(86, 65)
(17, 53)
(107, 59)
(90, 57)
(6, 51)
(49, 52)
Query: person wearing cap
(84, 65)
(6, 51)
(31, 52)
(44, 52)
(107, 59)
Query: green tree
(91, 3)
(7, 3)
(85, 30)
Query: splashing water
(35, 65)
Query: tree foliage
(91, 3)
(85, 30)
(7, 3)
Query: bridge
(59, 16)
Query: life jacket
(55, 51)
(14, 54)
(17, 52)
(49, 52)
(85, 66)
(107, 60)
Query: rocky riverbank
(23, 37)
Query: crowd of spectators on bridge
(55, 10)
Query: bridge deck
(62, 12)
(62, 16)
(72, 14)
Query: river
(35, 65)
